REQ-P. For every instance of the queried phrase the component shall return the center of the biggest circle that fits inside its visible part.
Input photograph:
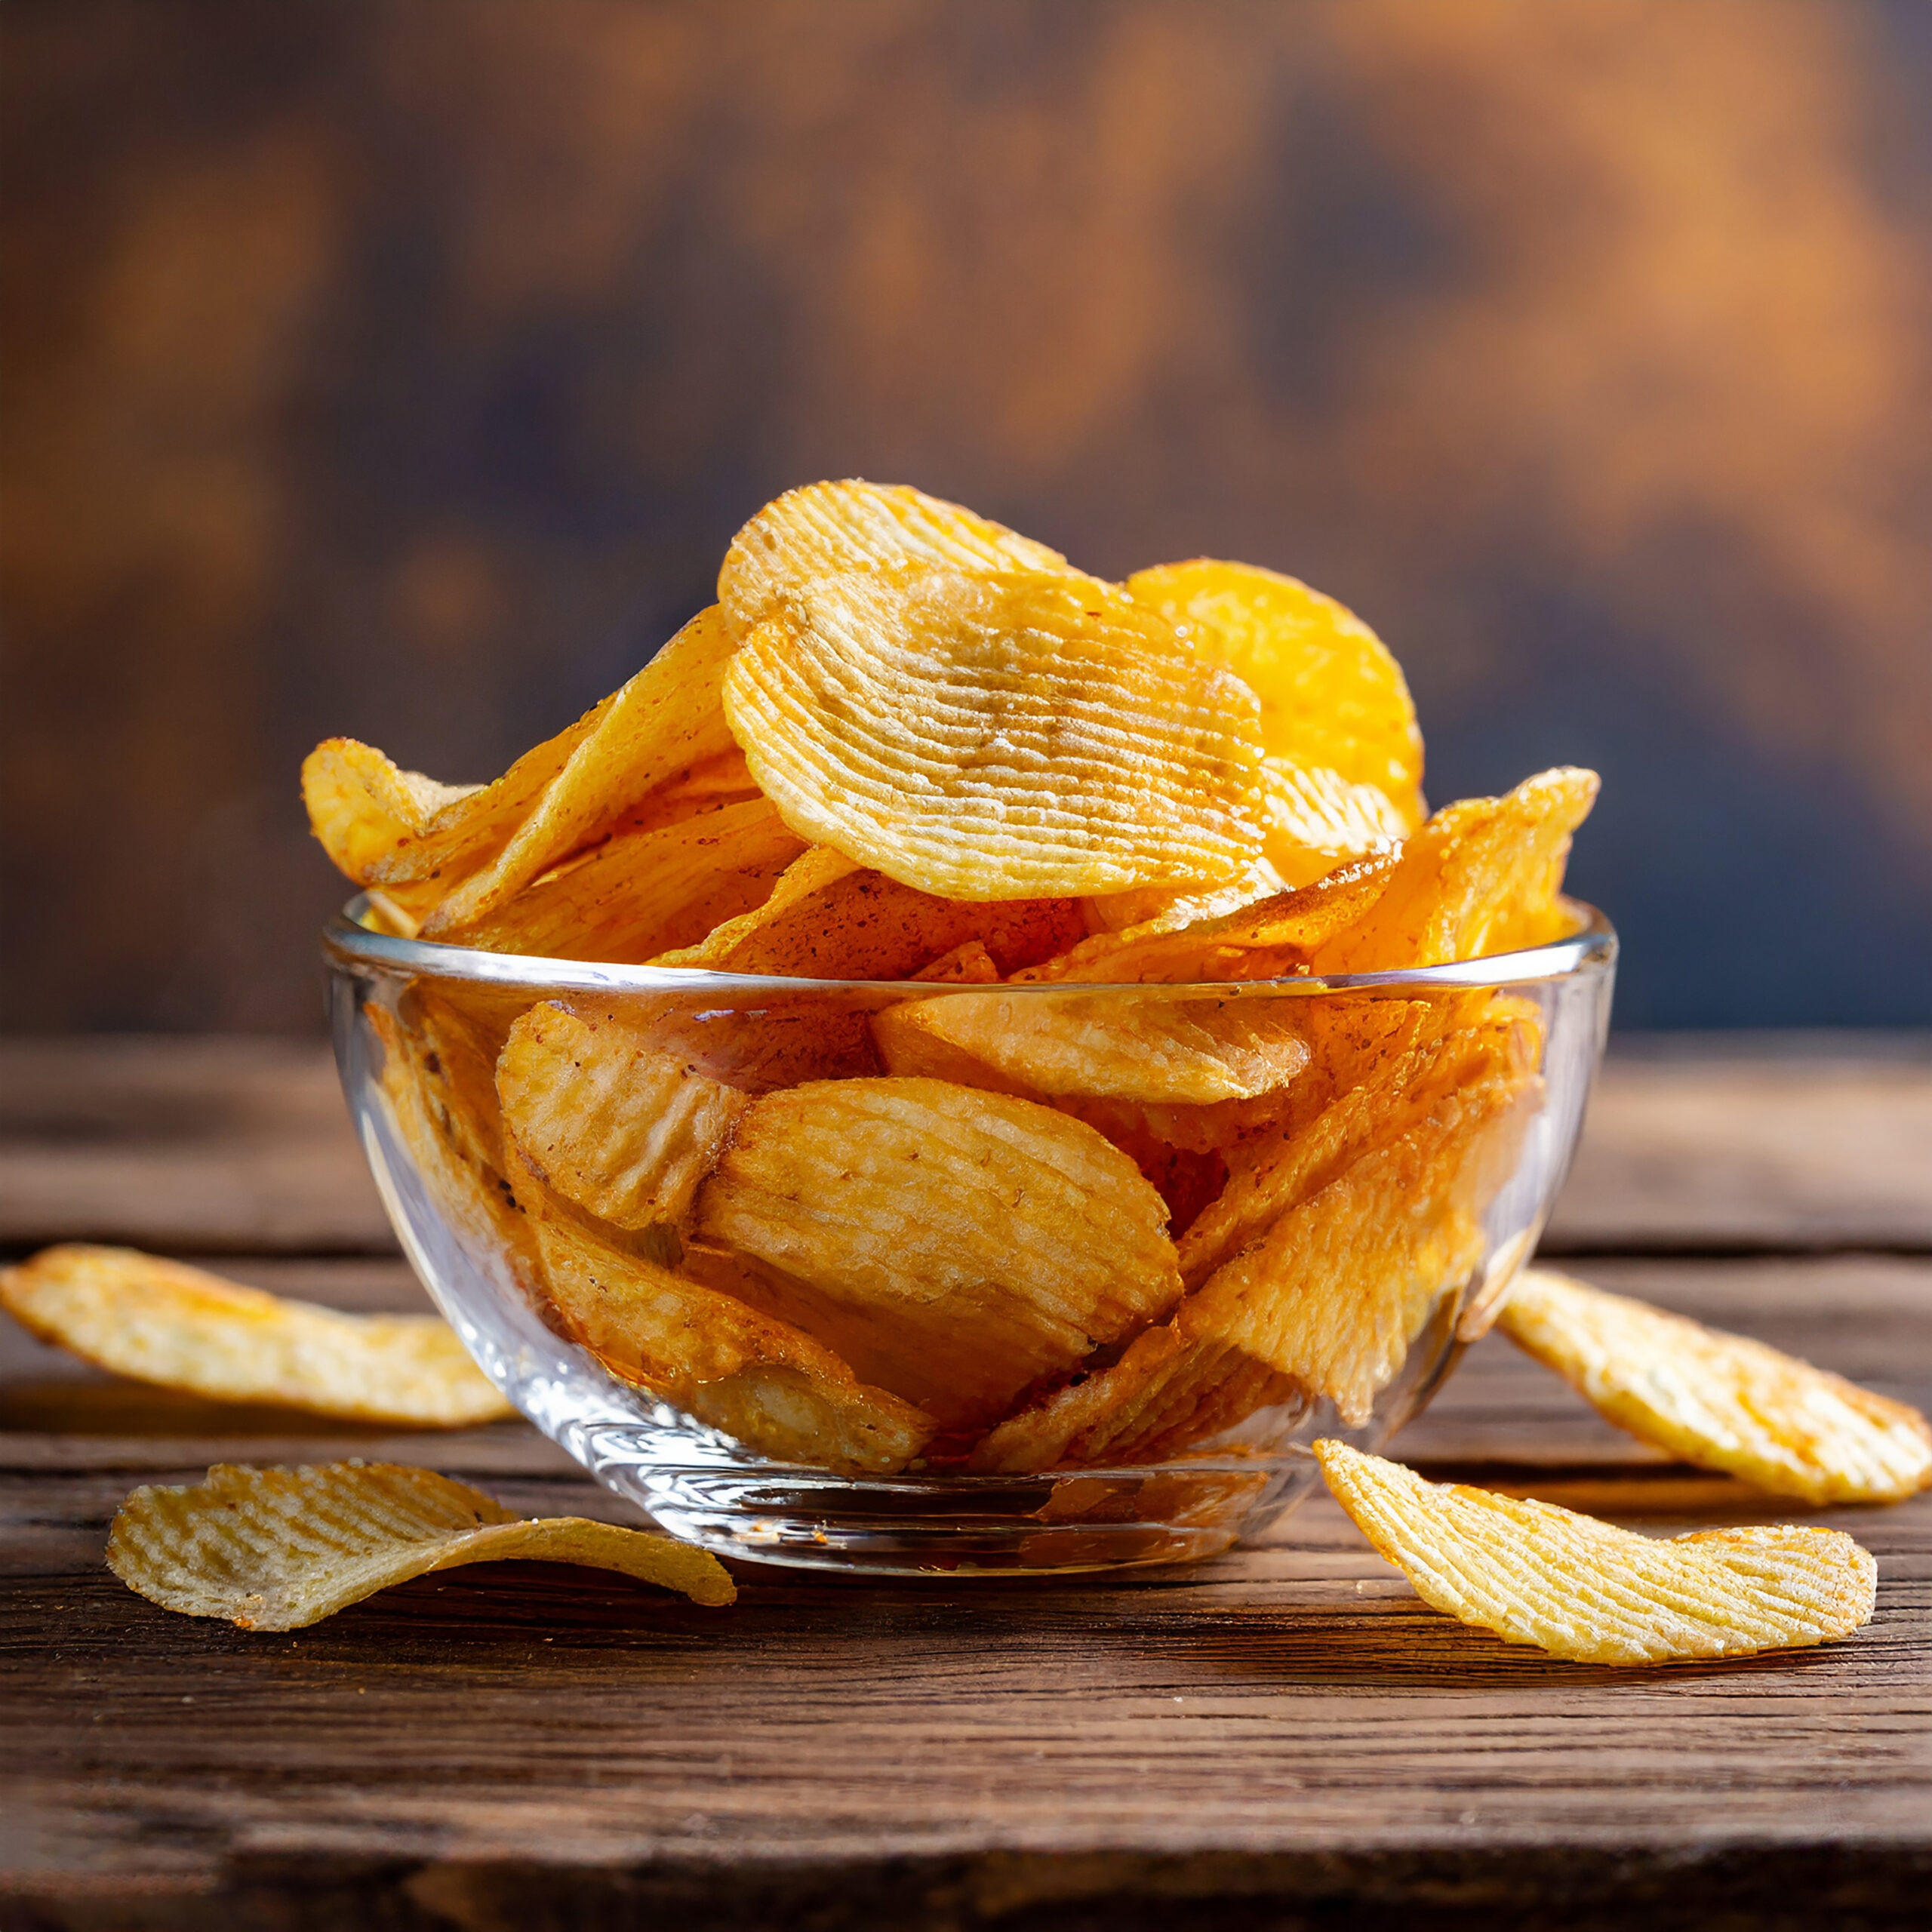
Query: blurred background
(401, 368)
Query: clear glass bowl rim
(347, 942)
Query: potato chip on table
(280, 1549)
(1586, 1591)
(162, 1322)
(1721, 1401)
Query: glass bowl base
(946, 1525)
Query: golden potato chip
(1314, 819)
(1331, 696)
(776, 1388)
(161, 1322)
(665, 719)
(1267, 1175)
(610, 1120)
(1266, 938)
(280, 1549)
(997, 737)
(456, 1031)
(1128, 1046)
(833, 920)
(722, 780)
(824, 529)
(1583, 1589)
(455, 1142)
(642, 894)
(967, 965)
(1157, 908)
(1721, 1401)
(1481, 877)
(989, 1241)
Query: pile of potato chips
(1058, 1174)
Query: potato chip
(642, 894)
(1268, 938)
(280, 1549)
(457, 1032)
(1269, 1175)
(833, 921)
(665, 719)
(1585, 1590)
(1481, 877)
(1007, 736)
(1721, 1401)
(611, 1121)
(968, 965)
(824, 529)
(774, 1387)
(988, 1241)
(161, 1322)
(455, 1143)
(1159, 909)
(1314, 819)
(1128, 1046)
(1332, 698)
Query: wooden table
(1283, 1737)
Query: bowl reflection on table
(998, 1361)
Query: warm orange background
(402, 370)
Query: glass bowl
(835, 1355)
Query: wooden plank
(499, 1746)
(241, 1145)
(1702, 1143)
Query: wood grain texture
(1282, 1737)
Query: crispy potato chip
(667, 719)
(1481, 877)
(829, 920)
(1721, 1401)
(361, 807)
(1314, 820)
(1157, 908)
(1267, 938)
(1325, 1304)
(161, 1322)
(280, 1549)
(988, 1241)
(1128, 1046)
(1585, 1590)
(455, 1142)
(968, 965)
(1437, 1057)
(1331, 696)
(824, 529)
(997, 737)
(642, 894)
(609, 1120)
(457, 1032)
(776, 1388)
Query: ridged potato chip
(161, 1322)
(1437, 1057)
(1721, 1401)
(1481, 877)
(456, 1144)
(1266, 938)
(1587, 1591)
(1131, 1047)
(1009, 736)
(644, 893)
(988, 1241)
(665, 719)
(824, 529)
(1314, 819)
(774, 1387)
(1159, 909)
(280, 1549)
(1331, 696)
(607, 1118)
(830, 920)
(1325, 1304)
